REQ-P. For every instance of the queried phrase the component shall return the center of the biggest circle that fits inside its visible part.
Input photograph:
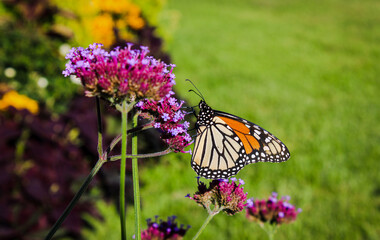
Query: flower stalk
(136, 187)
(208, 219)
(147, 155)
(123, 164)
(269, 229)
(100, 128)
(117, 139)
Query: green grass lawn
(308, 71)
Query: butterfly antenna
(198, 93)
(191, 90)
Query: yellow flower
(134, 10)
(114, 6)
(135, 22)
(134, 19)
(18, 101)
(102, 29)
(121, 23)
(130, 11)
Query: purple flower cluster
(223, 195)
(167, 116)
(121, 74)
(162, 230)
(275, 211)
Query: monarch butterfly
(226, 143)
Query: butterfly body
(226, 143)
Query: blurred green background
(307, 71)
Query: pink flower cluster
(221, 195)
(167, 116)
(275, 211)
(162, 230)
(121, 74)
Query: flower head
(223, 195)
(167, 117)
(160, 230)
(274, 211)
(121, 74)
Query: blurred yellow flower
(134, 19)
(115, 6)
(103, 29)
(134, 10)
(114, 15)
(135, 22)
(18, 101)
(121, 24)
(106, 21)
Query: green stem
(269, 229)
(100, 128)
(75, 199)
(130, 131)
(136, 187)
(124, 119)
(270, 236)
(147, 155)
(208, 219)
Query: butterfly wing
(225, 146)
(259, 144)
(216, 151)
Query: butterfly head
(205, 114)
